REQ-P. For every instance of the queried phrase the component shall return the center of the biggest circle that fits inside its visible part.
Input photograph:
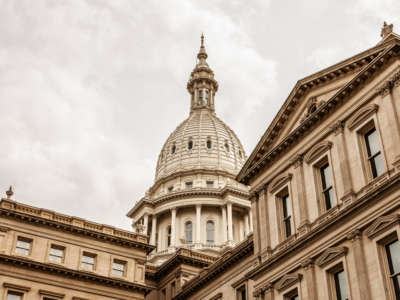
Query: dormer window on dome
(190, 144)
(209, 143)
(173, 148)
(226, 146)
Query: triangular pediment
(382, 223)
(287, 281)
(330, 255)
(289, 124)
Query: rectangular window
(374, 155)
(339, 280)
(118, 268)
(326, 185)
(210, 184)
(293, 295)
(14, 296)
(393, 257)
(189, 185)
(88, 261)
(241, 293)
(286, 213)
(56, 253)
(23, 246)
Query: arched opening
(226, 146)
(168, 236)
(173, 148)
(210, 232)
(190, 145)
(209, 143)
(189, 232)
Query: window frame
(281, 214)
(25, 239)
(169, 235)
(361, 131)
(291, 294)
(331, 281)
(210, 184)
(189, 184)
(124, 263)
(320, 191)
(14, 288)
(239, 289)
(88, 254)
(188, 231)
(213, 232)
(60, 247)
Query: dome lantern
(202, 86)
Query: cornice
(321, 229)
(182, 255)
(226, 260)
(253, 165)
(74, 274)
(59, 225)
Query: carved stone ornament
(287, 281)
(381, 224)
(386, 30)
(361, 115)
(316, 151)
(337, 127)
(388, 85)
(297, 160)
(330, 255)
(312, 105)
(280, 181)
(308, 263)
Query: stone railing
(69, 220)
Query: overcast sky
(90, 90)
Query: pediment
(287, 281)
(361, 115)
(330, 255)
(279, 182)
(382, 223)
(316, 151)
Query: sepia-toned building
(325, 190)
(313, 213)
(45, 255)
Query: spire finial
(202, 55)
(9, 192)
(202, 40)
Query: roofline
(306, 83)
(244, 173)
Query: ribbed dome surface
(202, 141)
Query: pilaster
(310, 280)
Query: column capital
(297, 160)
(337, 127)
(354, 235)
(308, 263)
(198, 206)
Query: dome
(201, 142)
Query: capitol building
(313, 212)
(195, 201)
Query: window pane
(341, 286)
(119, 266)
(393, 254)
(328, 195)
(88, 259)
(21, 251)
(326, 176)
(372, 141)
(188, 232)
(87, 266)
(23, 244)
(377, 165)
(14, 296)
(56, 252)
(288, 227)
(286, 206)
(55, 258)
(210, 232)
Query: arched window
(168, 236)
(200, 102)
(209, 144)
(188, 232)
(190, 145)
(173, 149)
(210, 232)
(206, 96)
(226, 146)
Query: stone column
(297, 162)
(263, 222)
(361, 285)
(309, 277)
(246, 225)
(198, 224)
(256, 234)
(340, 145)
(173, 227)
(224, 228)
(269, 292)
(230, 231)
(146, 224)
(251, 220)
(153, 230)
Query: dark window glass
(340, 285)
(374, 152)
(169, 236)
(227, 147)
(209, 144)
(190, 145)
(327, 189)
(210, 232)
(173, 149)
(287, 214)
(189, 185)
(241, 293)
(188, 232)
(294, 297)
(393, 256)
(210, 184)
(14, 296)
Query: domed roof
(201, 142)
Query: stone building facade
(325, 190)
(45, 255)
